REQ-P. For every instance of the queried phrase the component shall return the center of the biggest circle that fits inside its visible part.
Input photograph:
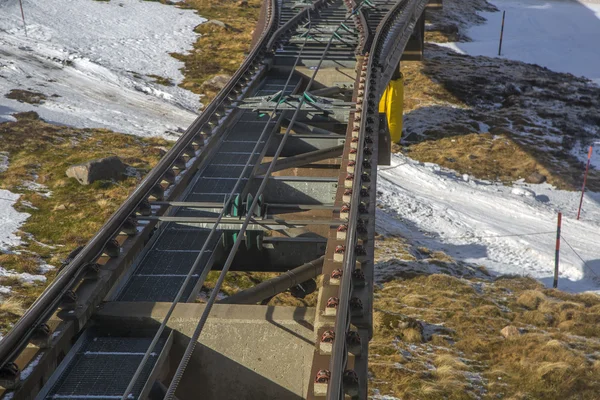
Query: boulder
(216, 83)
(109, 168)
(509, 331)
(536, 177)
(216, 22)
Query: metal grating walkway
(162, 269)
(102, 367)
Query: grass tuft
(72, 214)
(26, 96)
(531, 299)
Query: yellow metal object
(392, 104)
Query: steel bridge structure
(278, 174)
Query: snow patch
(580, 151)
(485, 223)
(559, 35)
(3, 161)
(521, 191)
(24, 277)
(30, 367)
(36, 187)
(92, 61)
(45, 268)
(10, 220)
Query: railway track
(277, 175)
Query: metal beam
(303, 128)
(300, 144)
(303, 159)
(229, 223)
(298, 189)
(278, 254)
(277, 285)
(327, 91)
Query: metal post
(501, 34)
(587, 168)
(23, 16)
(557, 254)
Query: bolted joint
(358, 277)
(10, 376)
(169, 177)
(129, 226)
(342, 230)
(92, 270)
(345, 211)
(180, 163)
(352, 154)
(112, 248)
(350, 381)
(158, 192)
(42, 337)
(144, 208)
(326, 343)
(69, 300)
(338, 255)
(321, 382)
(333, 302)
(347, 197)
(356, 306)
(349, 181)
(351, 166)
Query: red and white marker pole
(557, 254)
(587, 168)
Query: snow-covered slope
(508, 230)
(92, 60)
(561, 35)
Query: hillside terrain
(465, 240)
(464, 230)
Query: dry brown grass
(237, 281)
(465, 357)
(218, 50)
(10, 310)
(26, 96)
(420, 90)
(37, 148)
(492, 157)
(531, 299)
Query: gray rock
(536, 177)
(217, 23)
(510, 331)
(216, 83)
(101, 169)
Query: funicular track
(277, 174)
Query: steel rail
(48, 302)
(213, 297)
(216, 224)
(381, 45)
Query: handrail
(47, 303)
